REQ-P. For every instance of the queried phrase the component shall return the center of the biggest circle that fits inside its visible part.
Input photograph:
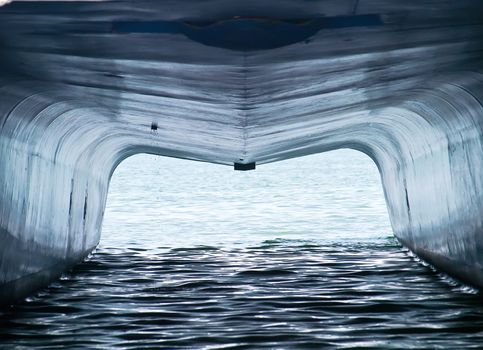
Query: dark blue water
(196, 257)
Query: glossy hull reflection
(86, 84)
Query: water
(297, 254)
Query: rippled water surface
(297, 254)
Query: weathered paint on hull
(83, 83)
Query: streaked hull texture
(86, 84)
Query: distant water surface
(295, 255)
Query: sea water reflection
(297, 254)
